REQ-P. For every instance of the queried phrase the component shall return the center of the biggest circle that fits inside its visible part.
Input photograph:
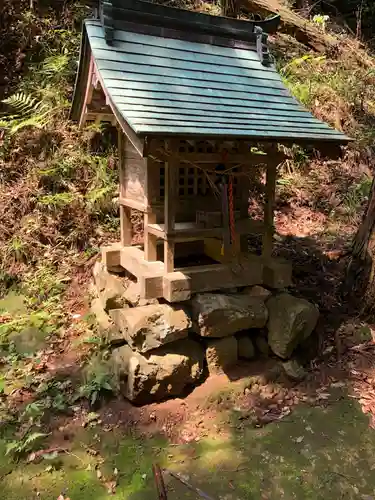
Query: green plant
(33, 411)
(27, 112)
(357, 194)
(44, 284)
(57, 201)
(40, 320)
(18, 249)
(321, 20)
(26, 444)
(98, 379)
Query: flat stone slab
(220, 315)
(165, 372)
(148, 327)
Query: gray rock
(106, 326)
(148, 327)
(221, 354)
(167, 371)
(294, 370)
(220, 315)
(277, 273)
(109, 287)
(262, 345)
(291, 320)
(246, 348)
(257, 291)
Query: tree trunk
(229, 8)
(360, 275)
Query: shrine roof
(170, 72)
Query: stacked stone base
(161, 350)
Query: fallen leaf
(111, 487)
(299, 439)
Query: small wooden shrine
(201, 112)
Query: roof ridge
(113, 13)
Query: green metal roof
(170, 85)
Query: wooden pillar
(126, 230)
(171, 169)
(269, 207)
(149, 239)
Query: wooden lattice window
(193, 181)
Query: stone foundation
(160, 350)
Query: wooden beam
(269, 207)
(100, 117)
(133, 260)
(111, 257)
(212, 158)
(88, 95)
(129, 132)
(188, 231)
(186, 281)
(137, 205)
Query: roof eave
(81, 77)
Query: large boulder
(294, 370)
(257, 291)
(221, 354)
(109, 287)
(104, 323)
(167, 371)
(148, 327)
(220, 315)
(291, 321)
(246, 349)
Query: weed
(57, 201)
(33, 411)
(40, 320)
(321, 21)
(18, 249)
(26, 444)
(98, 380)
(357, 194)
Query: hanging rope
(232, 222)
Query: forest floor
(64, 430)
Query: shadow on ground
(325, 451)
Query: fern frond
(27, 112)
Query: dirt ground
(233, 439)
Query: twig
(188, 485)
(343, 475)
(363, 347)
(160, 486)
